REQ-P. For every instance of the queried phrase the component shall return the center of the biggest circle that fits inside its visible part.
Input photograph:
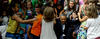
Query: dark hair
(37, 6)
(10, 11)
(49, 3)
(60, 4)
(48, 14)
(75, 12)
(22, 5)
(4, 10)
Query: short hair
(92, 11)
(48, 14)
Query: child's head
(74, 15)
(48, 14)
(92, 11)
(59, 6)
(37, 8)
(63, 19)
(23, 5)
(29, 5)
(50, 3)
(4, 13)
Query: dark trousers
(35, 37)
(0, 36)
(14, 36)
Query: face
(63, 19)
(29, 5)
(59, 7)
(76, 1)
(37, 10)
(4, 13)
(74, 15)
(51, 4)
(71, 4)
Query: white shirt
(93, 28)
(47, 31)
(5, 20)
(63, 29)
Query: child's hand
(58, 17)
(74, 35)
(78, 14)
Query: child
(47, 31)
(36, 27)
(29, 10)
(74, 16)
(61, 27)
(93, 23)
(59, 9)
(75, 22)
(14, 19)
(22, 14)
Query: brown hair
(92, 11)
(48, 14)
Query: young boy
(36, 28)
(60, 27)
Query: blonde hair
(91, 11)
(48, 14)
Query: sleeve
(88, 23)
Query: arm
(70, 17)
(61, 12)
(83, 18)
(84, 27)
(29, 32)
(19, 13)
(1, 20)
(56, 10)
(22, 21)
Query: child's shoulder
(90, 20)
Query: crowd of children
(49, 19)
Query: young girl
(47, 31)
(82, 16)
(93, 23)
(29, 10)
(75, 22)
(22, 14)
(14, 19)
